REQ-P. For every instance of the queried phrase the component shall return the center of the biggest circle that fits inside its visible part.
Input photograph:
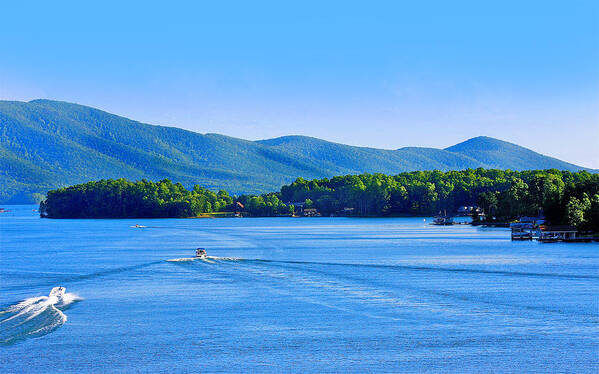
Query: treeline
(124, 199)
(563, 197)
(145, 199)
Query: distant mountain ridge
(45, 144)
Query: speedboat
(58, 292)
(201, 253)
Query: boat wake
(225, 258)
(390, 291)
(35, 316)
(208, 259)
(433, 269)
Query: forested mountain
(46, 144)
(503, 155)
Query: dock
(529, 230)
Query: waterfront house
(469, 210)
(532, 220)
(347, 211)
(238, 208)
(310, 212)
(298, 207)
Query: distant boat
(443, 221)
(201, 253)
(138, 226)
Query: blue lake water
(292, 295)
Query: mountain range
(46, 144)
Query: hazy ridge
(46, 144)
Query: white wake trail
(208, 259)
(35, 316)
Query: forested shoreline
(563, 197)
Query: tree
(488, 202)
(575, 211)
(308, 203)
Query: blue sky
(379, 74)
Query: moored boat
(443, 220)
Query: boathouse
(557, 233)
(522, 230)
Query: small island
(499, 196)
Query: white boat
(443, 221)
(57, 292)
(201, 253)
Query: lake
(292, 295)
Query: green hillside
(46, 144)
(503, 155)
